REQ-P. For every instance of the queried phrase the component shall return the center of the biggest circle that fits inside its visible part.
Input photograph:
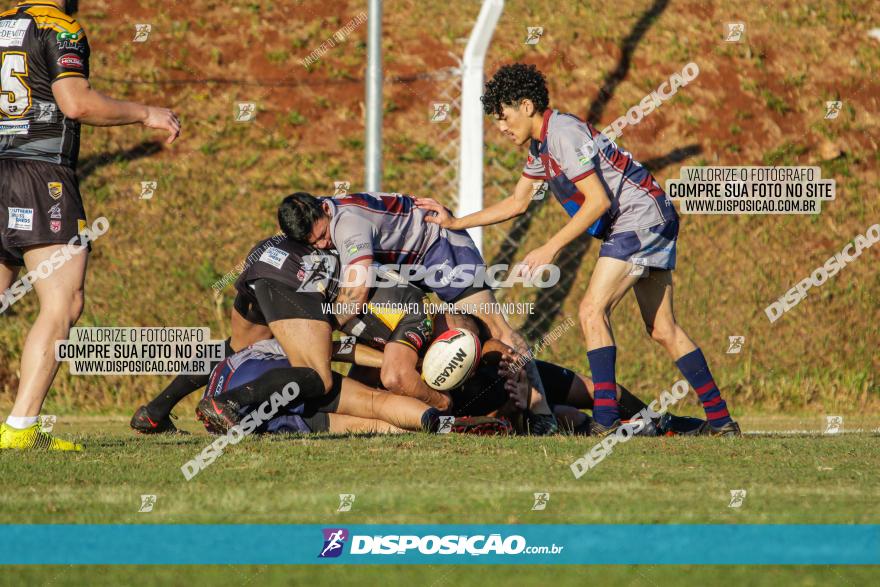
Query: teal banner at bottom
(359, 544)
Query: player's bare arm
(400, 375)
(79, 101)
(510, 207)
(352, 297)
(596, 203)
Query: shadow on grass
(90, 165)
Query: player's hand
(543, 255)
(517, 389)
(163, 119)
(441, 215)
(512, 363)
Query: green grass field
(417, 478)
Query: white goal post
(470, 170)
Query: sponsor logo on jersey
(21, 218)
(70, 61)
(55, 211)
(67, 41)
(55, 225)
(274, 257)
(14, 127)
(56, 190)
(12, 32)
(415, 339)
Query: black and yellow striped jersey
(39, 45)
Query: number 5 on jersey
(15, 94)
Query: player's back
(39, 44)
(397, 227)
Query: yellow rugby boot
(32, 438)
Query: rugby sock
(431, 420)
(261, 389)
(628, 404)
(695, 369)
(180, 387)
(605, 410)
(21, 422)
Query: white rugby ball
(451, 359)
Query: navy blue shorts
(650, 247)
(224, 377)
(455, 250)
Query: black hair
(297, 215)
(511, 84)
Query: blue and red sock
(602, 362)
(695, 369)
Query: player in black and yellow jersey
(44, 98)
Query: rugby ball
(451, 359)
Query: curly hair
(512, 83)
(297, 215)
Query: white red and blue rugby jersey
(387, 228)
(571, 149)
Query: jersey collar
(547, 114)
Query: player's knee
(77, 303)
(392, 379)
(662, 332)
(327, 380)
(590, 312)
(65, 312)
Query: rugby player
(368, 228)
(611, 195)
(280, 294)
(44, 98)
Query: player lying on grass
(269, 302)
(247, 379)
(45, 97)
(609, 194)
(368, 228)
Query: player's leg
(610, 281)
(655, 297)
(61, 297)
(248, 327)
(8, 274)
(342, 423)
(356, 399)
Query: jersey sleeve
(534, 168)
(574, 149)
(353, 238)
(66, 50)
(415, 329)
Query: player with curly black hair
(612, 197)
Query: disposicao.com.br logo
(430, 544)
